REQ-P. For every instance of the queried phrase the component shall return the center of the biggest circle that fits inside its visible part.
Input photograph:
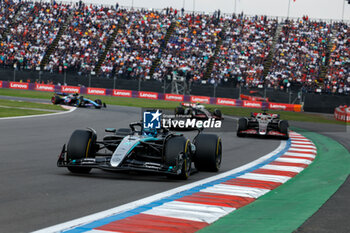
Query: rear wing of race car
(273, 115)
(188, 104)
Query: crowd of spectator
(191, 45)
(27, 29)
(30, 33)
(84, 39)
(300, 52)
(137, 44)
(8, 10)
(246, 44)
(337, 79)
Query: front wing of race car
(91, 103)
(119, 163)
(272, 133)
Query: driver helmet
(150, 132)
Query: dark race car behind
(263, 124)
(76, 100)
(198, 111)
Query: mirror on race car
(110, 130)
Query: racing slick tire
(81, 101)
(179, 111)
(81, 145)
(208, 155)
(173, 148)
(99, 102)
(217, 113)
(283, 127)
(56, 99)
(242, 125)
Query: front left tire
(174, 147)
(99, 102)
(80, 145)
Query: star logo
(156, 115)
(151, 119)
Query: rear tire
(179, 111)
(217, 113)
(81, 145)
(208, 154)
(173, 148)
(56, 99)
(242, 125)
(283, 127)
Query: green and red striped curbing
(287, 207)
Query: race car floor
(36, 194)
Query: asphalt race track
(36, 194)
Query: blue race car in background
(76, 100)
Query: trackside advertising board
(340, 113)
(96, 91)
(200, 99)
(44, 87)
(70, 89)
(148, 95)
(18, 85)
(285, 107)
(174, 97)
(225, 101)
(122, 93)
(252, 104)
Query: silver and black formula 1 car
(156, 151)
(76, 100)
(197, 111)
(263, 124)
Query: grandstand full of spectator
(8, 9)
(84, 39)
(33, 30)
(191, 45)
(301, 49)
(246, 44)
(337, 79)
(137, 44)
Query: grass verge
(12, 108)
(25, 104)
(146, 103)
(13, 112)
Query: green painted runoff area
(287, 207)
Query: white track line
(283, 168)
(300, 155)
(264, 177)
(292, 160)
(129, 206)
(190, 211)
(39, 115)
(302, 150)
(100, 231)
(235, 190)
